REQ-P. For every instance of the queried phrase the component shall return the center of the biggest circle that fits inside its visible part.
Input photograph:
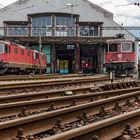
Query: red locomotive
(87, 64)
(120, 56)
(18, 59)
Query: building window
(87, 30)
(42, 26)
(17, 30)
(65, 26)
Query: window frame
(28, 53)
(22, 52)
(122, 47)
(112, 51)
(3, 48)
(15, 50)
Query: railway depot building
(71, 33)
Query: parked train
(87, 64)
(120, 56)
(17, 59)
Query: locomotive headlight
(128, 59)
(110, 60)
(86, 65)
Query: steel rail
(41, 87)
(45, 121)
(37, 77)
(47, 94)
(49, 83)
(60, 93)
(10, 109)
(107, 129)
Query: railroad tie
(30, 137)
(137, 130)
(102, 112)
(24, 112)
(7, 101)
(132, 84)
(133, 134)
(127, 128)
(92, 99)
(46, 96)
(125, 136)
(129, 84)
(52, 107)
(128, 103)
(20, 135)
(84, 119)
(57, 128)
(113, 86)
(95, 137)
(74, 103)
(124, 85)
(137, 100)
(135, 84)
(117, 108)
(29, 98)
(119, 86)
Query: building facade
(71, 33)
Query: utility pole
(40, 46)
(71, 22)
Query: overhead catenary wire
(117, 14)
(47, 2)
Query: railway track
(40, 77)
(67, 123)
(106, 129)
(69, 92)
(42, 105)
(38, 86)
(36, 82)
(131, 131)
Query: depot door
(65, 60)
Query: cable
(17, 13)
(47, 2)
(117, 15)
(64, 2)
(24, 8)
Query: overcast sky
(125, 13)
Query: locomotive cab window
(6, 49)
(28, 53)
(113, 47)
(133, 46)
(36, 55)
(1, 48)
(15, 50)
(126, 47)
(22, 52)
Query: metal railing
(48, 31)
